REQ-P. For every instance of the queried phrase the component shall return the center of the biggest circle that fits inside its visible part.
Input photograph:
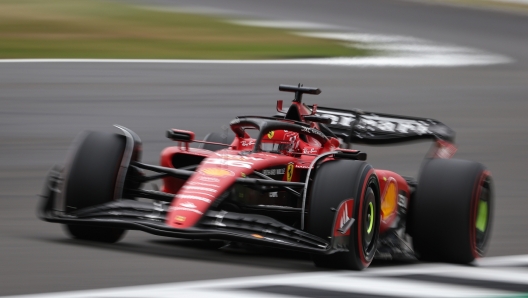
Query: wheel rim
(369, 222)
(482, 217)
(370, 217)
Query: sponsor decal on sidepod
(191, 197)
(218, 172)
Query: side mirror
(180, 135)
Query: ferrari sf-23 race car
(289, 181)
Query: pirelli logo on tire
(289, 171)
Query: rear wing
(370, 128)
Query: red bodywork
(218, 171)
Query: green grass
(103, 29)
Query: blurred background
(463, 62)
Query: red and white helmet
(280, 141)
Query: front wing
(151, 217)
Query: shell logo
(179, 218)
(218, 172)
(388, 206)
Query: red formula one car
(284, 181)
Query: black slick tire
(451, 212)
(91, 180)
(337, 181)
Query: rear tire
(337, 181)
(91, 180)
(452, 210)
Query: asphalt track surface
(44, 106)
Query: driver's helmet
(280, 141)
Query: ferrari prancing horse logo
(289, 171)
(270, 134)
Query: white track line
(374, 281)
(504, 261)
(392, 50)
(429, 60)
(297, 25)
(405, 49)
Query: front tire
(337, 181)
(91, 180)
(452, 210)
